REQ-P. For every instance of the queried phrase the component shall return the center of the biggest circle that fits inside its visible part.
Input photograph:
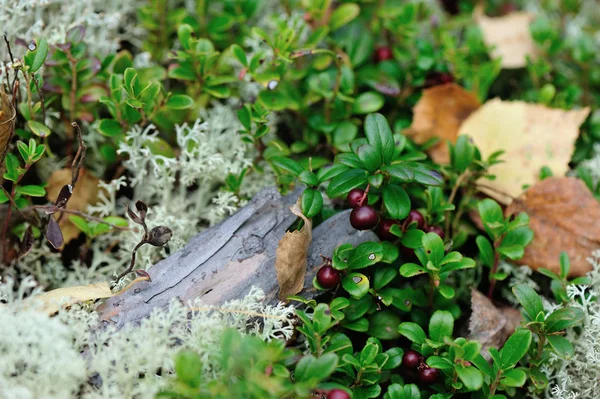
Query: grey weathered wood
(225, 261)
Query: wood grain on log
(224, 262)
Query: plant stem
(453, 193)
(494, 269)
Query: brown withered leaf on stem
(531, 135)
(439, 113)
(7, 123)
(489, 324)
(85, 193)
(291, 255)
(508, 36)
(564, 217)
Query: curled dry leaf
(508, 36)
(564, 217)
(439, 113)
(489, 324)
(85, 193)
(7, 123)
(291, 255)
(531, 135)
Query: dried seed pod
(159, 236)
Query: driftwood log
(225, 261)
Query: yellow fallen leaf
(531, 135)
(291, 255)
(50, 302)
(84, 194)
(508, 36)
(439, 113)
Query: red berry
(428, 375)
(438, 78)
(328, 277)
(383, 231)
(415, 216)
(363, 217)
(411, 359)
(437, 230)
(383, 53)
(338, 394)
(354, 197)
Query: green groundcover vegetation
(126, 127)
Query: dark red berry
(451, 6)
(383, 53)
(328, 277)
(354, 197)
(383, 230)
(338, 394)
(415, 216)
(438, 78)
(363, 217)
(428, 375)
(437, 230)
(411, 359)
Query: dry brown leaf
(291, 255)
(532, 136)
(50, 302)
(7, 122)
(489, 324)
(509, 37)
(84, 194)
(564, 217)
(439, 113)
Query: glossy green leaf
(396, 201)
(346, 181)
(368, 102)
(312, 202)
(413, 332)
(343, 15)
(379, 135)
(38, 128)
(32, 191)
(470, 377)
(529, 299)
(561, 345)
(441, 325)
(110, 128)
(514, 348)
(179, 101)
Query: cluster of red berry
(413, 361)
(365, 217)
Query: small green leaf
(411, 270)
(179, 101)
(110, 128)
(434, 248)
(329, 172)
(184, 33)
(364, 255)
(312, 368)
(441, 325)
(513, 378)
(514, 348)
(562, 346)
(38, 128)
(491, 216)
(413, 332)
(529, 299)
(356, 284)
(384, 325)
(32, 191)
(368, 102)
(80, 223)
(413, 171)
(439, 362)
(346, 181)
(514, 242)
(486, 252)
(312, 202)
(343, 15)
(383, 276)
(368, 354)
(189, 369)
(35, 59)
(396, 201)
(309, 178)
(470, 377)
(239, 54)
(413, 238)
(369, 156)
(288, 165)
(379, 135)
(3, 197)
(563, 318)
(446, 291)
